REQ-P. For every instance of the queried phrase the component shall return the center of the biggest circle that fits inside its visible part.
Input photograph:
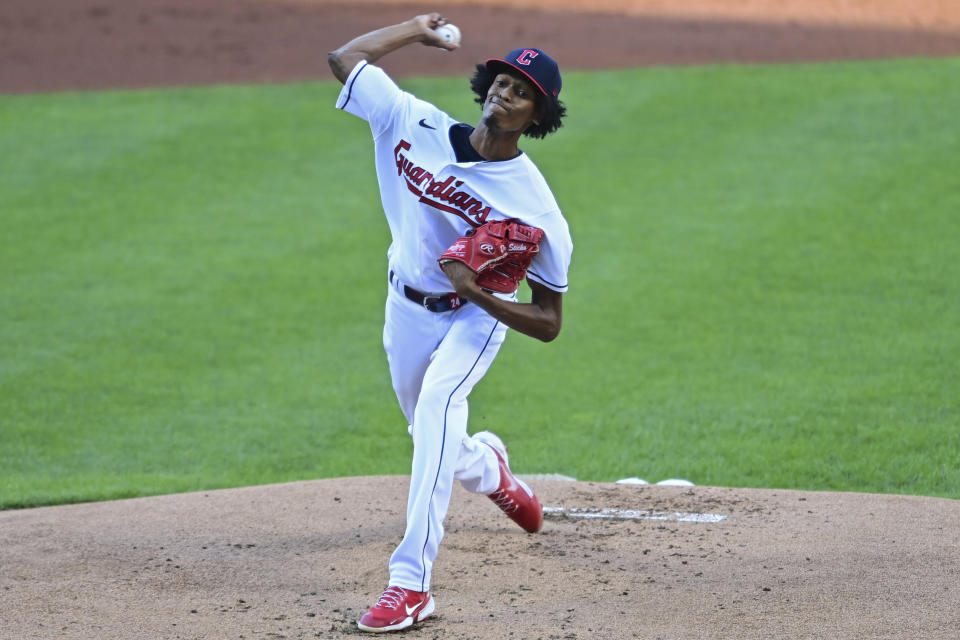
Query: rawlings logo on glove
(499, 251)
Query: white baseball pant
(435, 361)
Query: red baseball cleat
(397, 609)
(513, 496)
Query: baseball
(449, 32)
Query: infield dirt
(90, 44)
(304, 560)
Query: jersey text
(444, 195)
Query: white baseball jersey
(430, 199)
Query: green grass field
(765, 289)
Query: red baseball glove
(499, 251)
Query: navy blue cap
(537, 66)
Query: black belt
(437, 304)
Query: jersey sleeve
(369, 93)
(551, 265)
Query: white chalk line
(631, 514)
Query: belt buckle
(429, 301)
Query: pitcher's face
(511, 103)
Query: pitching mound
(304, 560)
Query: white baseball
(449, 32)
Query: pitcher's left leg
(440, 424)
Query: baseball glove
(499, 251)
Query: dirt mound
(304, 560)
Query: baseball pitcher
(470, 217)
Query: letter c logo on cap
(527, 57)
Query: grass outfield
(765, 289)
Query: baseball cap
(537, 66)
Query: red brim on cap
(516, 68)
